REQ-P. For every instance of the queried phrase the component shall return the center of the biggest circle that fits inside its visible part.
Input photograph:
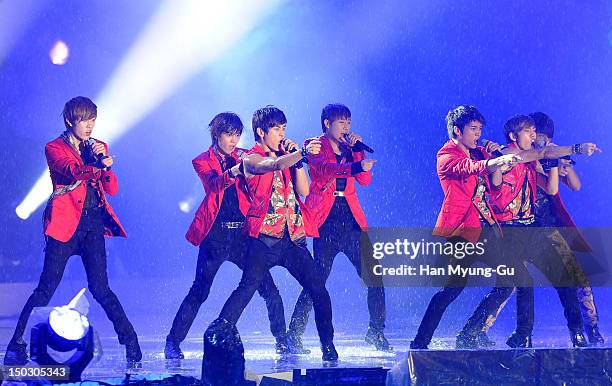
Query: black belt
(518, 223)
(232, 224)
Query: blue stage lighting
(180, 40)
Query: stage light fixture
(67, 329)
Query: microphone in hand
(496, 153)
(358, 146)
(99, 156)
(284, 143)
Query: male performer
(339, 219)
(550, 213)
(217, 230)
(77, 218)
(464, 170)
(513, 202)
(277, 223)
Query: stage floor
(260, 356)
(152, 320)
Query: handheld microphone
(359, 146)
(303, 160)
(496, 153)
(99, 156)
(284, 143)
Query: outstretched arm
(554, 151)
(255, 164)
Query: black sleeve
(356, 168)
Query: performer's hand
(107, 161)
(234, 171)
(492, 146)
(313, 147)
(589, 148)
(508, 160)
(98, 148)
(367, 164)
(563, 172)
(351, 139)
(564, 167)
(288, 146)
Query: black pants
(530, 244)
(341, 233)
(88, 242)
(213, 252)
(298, 261)
(550, 260)
(556, 245)
(455, 284)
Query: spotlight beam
(15, 17)
(181, 39)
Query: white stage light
(186, 205)
(182, 38)
(59, 53)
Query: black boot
(16, 354)
(173, 350)
(329, 352)
(483, 340)
(281, 345)
(295, 345)
(465, 342)
(376, 337)
(519, 341)
(133, 355)
(595, 337)
(415, 345)
(578, 339)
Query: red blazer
(458, 175)
(260, 191)
(323, 169)
(215, 182)
(63, 212)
